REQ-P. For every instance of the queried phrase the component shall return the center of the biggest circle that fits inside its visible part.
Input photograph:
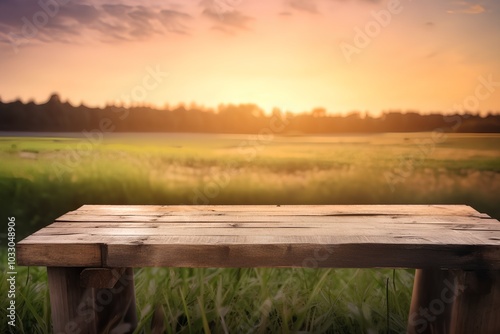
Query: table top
(342, 236)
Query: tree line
(57, 116)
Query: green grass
(245, 300)
(203, 169)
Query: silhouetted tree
(55, 115)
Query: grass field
(41, 178)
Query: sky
(296, 55)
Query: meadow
(44, 177)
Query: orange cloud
(467, 8)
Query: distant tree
(318, 112)
(55, 115)
(54, 98)
(277, 113)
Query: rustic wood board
(358, 236)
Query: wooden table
(90, 254)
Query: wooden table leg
(72, 306)
(434, 292)
(477, 308)
(76, 309)
(115, 307)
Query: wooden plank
(116, 307)
(314, 224)
(415, 210)
(108, 218)
(72, 308)
(383, 237)
(331, 219)
(365, 252)
(442, 235)
(74, 254)
(431, 302)
(280, 221)
(76, 309)
(102, 278)
(396, 228)
(377, 236)
(256, 240)
(299, 255)
(477, 305)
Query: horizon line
(202, 107)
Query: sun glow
(274, 54)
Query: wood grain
(431, 302)
(72, 306)
(412, 236)
(77, 309)
(102, 278)
(429, 237)
(477, 305)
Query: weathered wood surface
(412, 236)
(476, 308)
(71, 305)
(102, 278)
(77, 309)
(434, 292)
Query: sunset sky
(295, 54)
